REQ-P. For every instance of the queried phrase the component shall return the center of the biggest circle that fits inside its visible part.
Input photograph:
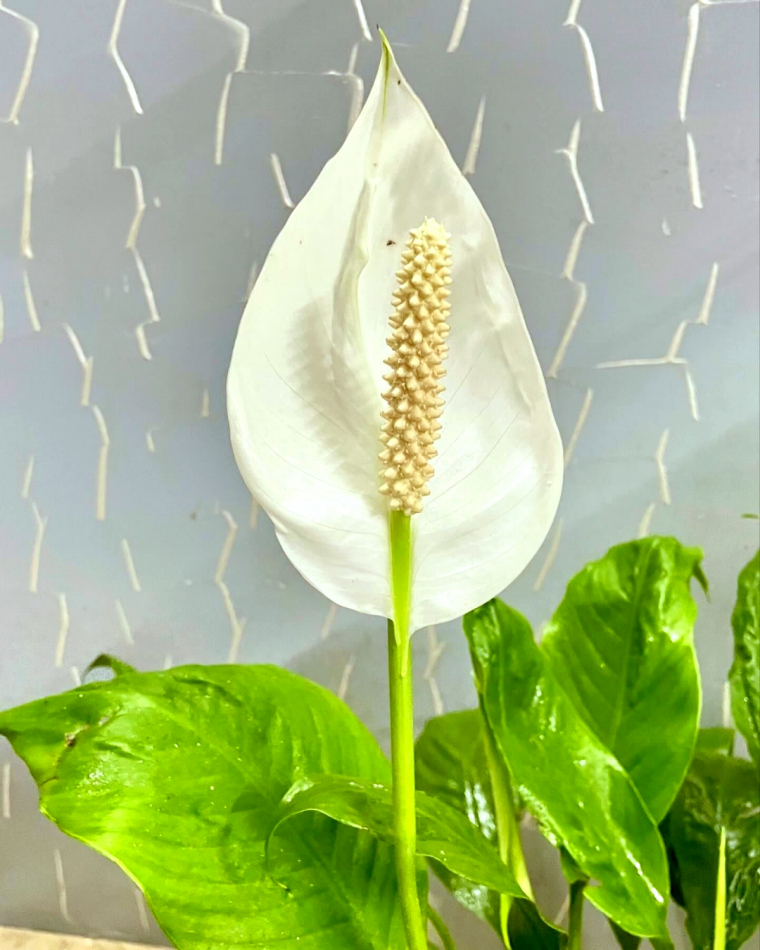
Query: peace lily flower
(335, 389)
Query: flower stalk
(719, 937)
(402, 732)
(402, 760)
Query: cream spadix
(305, 387)
(417, 340)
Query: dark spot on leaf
(398, 82)
(71, 739)
(119, 748)
(389, 242)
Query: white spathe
(305, 382)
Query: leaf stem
(402, 731)
(507, 829)
(575, 919)
(719, 938)
(447, 941)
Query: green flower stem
(508, 832)
(402, 731)
(447, 941)
(575, 920)
(719, 938)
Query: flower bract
(306, 382)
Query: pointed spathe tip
(388, 57)
(387, 62)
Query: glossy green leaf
(442, 832)
(720, 792)
(452, 766)
(580, 794)
(621, 646)
(146, 769)
(744, 675)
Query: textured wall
(150, 150)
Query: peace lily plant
(316, 359)
(388, 412)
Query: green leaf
(114, 664)
(719, 794)
(442, 833)
(452, 766)
(744, 675)
(146, 769)
(582, 797)
(621, 646)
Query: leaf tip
(701, 577)
(107, 661)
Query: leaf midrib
(620, 694)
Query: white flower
(306, 380)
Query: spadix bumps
(419, 330)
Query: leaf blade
(551, 752)
(621, 646)
(145, 768)
(442, 832)
(744, 675)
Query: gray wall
(126, 278)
